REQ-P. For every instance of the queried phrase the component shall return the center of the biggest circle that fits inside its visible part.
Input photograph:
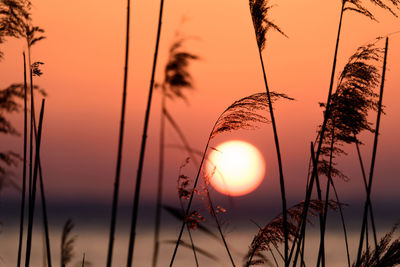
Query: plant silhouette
(177, 80)
(259, 13)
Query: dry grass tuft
(386, 254)
(243, 114)
(272, 235)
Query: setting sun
(237, 168)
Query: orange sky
(83, 56)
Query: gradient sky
(83, 56)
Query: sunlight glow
(237, 168)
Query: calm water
(93, 242)
(92, 223)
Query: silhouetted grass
(120, 144)
(177, 79)
(259, 12)
(32, 201)
(242, 114)
(371, 173)
(143, 146)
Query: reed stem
(371, 173)
(135, 206)
(322, 133)
(281, 179)
(160, 181)
(120, 144)
(33, 197)
(23, 193)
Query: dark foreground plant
(33, 198)
(259, 13)
(351, 6)
(120, 144)
(136, 197)
(386, 254)
(67, 244)
(367, 204)
(177, 79)
(273, 234)
(353, 100)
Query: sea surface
(91, 235)
(93, 243)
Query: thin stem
(189, 203)
(32, 202)
(343, 222)
(321, 255)
(281, 179)
(323, 128)
(371, 212)
(31, 126)
(120, 144)
(371, 173)
(160, 181)
(143, 146)
(42, 192)
(23, 193)
(190, 235)
(214, 215)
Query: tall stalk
(41, 183)
(33, 197)
(321, 254)
(190, 201)
(322, 133)
(371, 212)
(23, 193)
(120, 143)
(371, 173)
(135, 206)
(259, 11)
(278, 153)
(160, 181)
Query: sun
(237, 168)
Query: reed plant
(367, 204)
(135, 206)
(357, 6)
(33, 197)
(242, 114)
(259, 12)
(120, 143)
(67, 244)
(177, 79)
(354, 99)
